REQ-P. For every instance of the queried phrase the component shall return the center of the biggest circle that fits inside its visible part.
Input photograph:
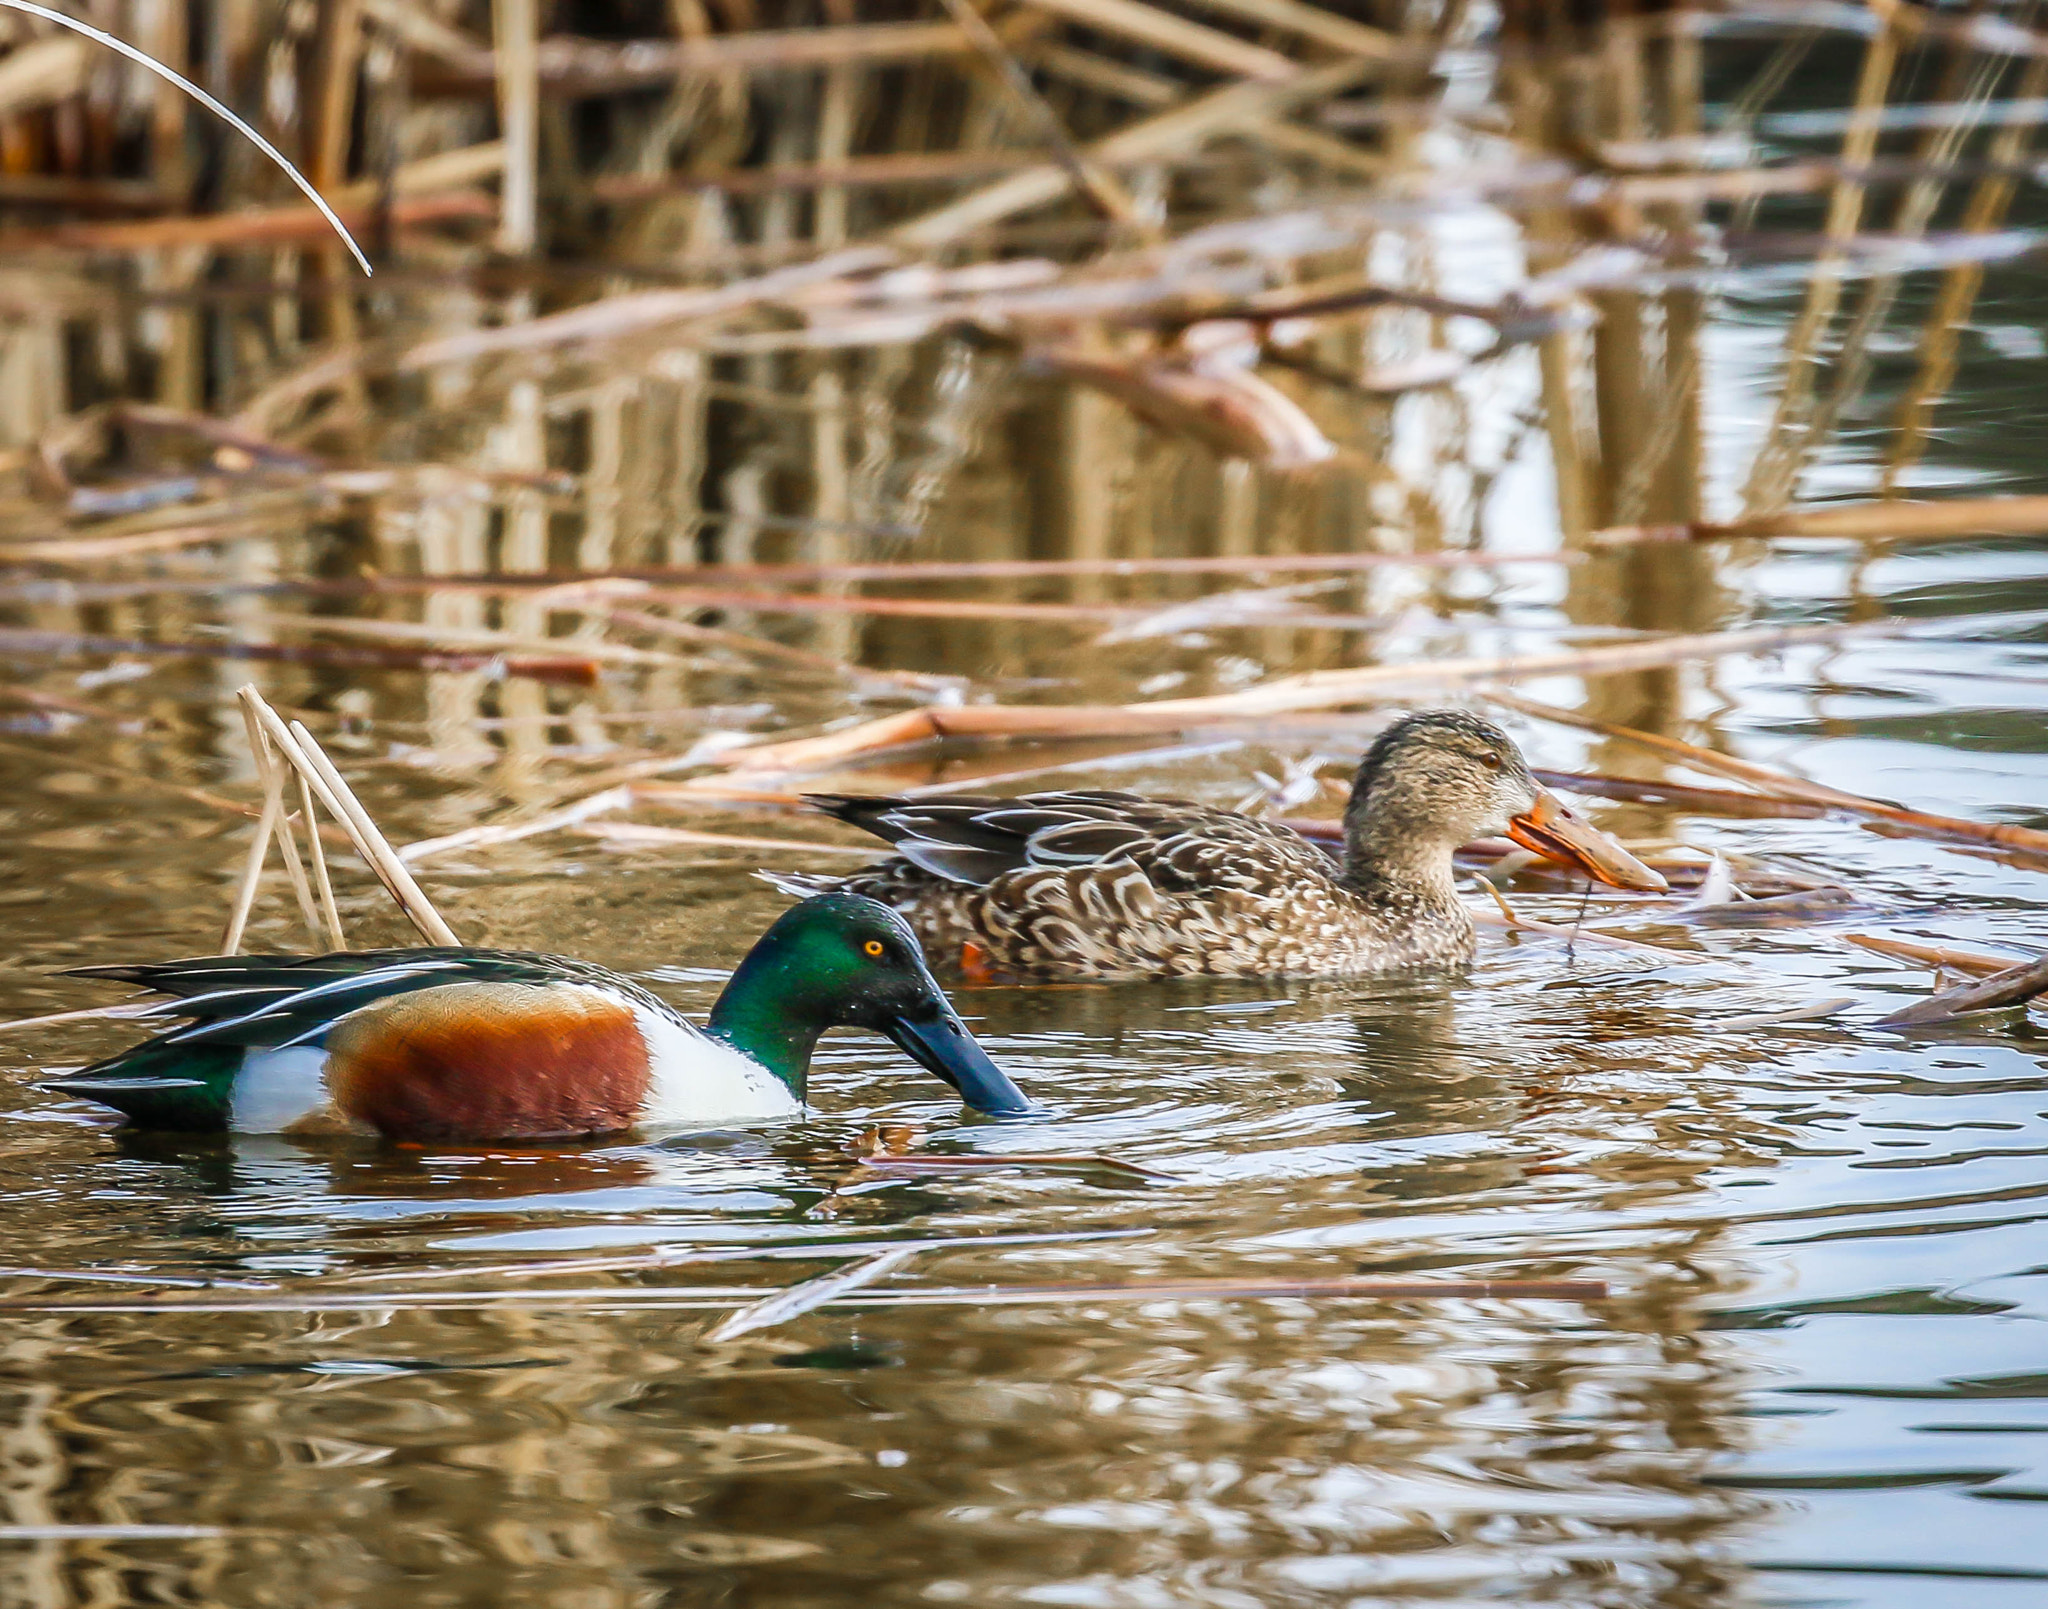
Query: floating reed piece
(1954, 518)
(1064, 1294)
(287, 753)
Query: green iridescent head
(845, 961)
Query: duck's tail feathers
(161, 1087)
(799, 885)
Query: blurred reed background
(704, 338)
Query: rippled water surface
(1818, 1378)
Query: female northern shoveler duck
(1112, 885)
(446, 1044)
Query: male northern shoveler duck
(1113, 886)
(451, 1044)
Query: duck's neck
(1398, 865)
(759, 1015)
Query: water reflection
(1818, 1379)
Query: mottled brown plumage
(1114, 886)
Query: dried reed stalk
(1174, 130)
(568, 815)
(1159, 30)
(1941, 957)
(1913, 823)
(1515, 922)
(300, 750)
(461, 639)
(799, 1299)
(581, 67)
(1338, 33)
(1097, 184)
(725, 1296)
(1315, 690)
(1881, 521)
(1716, 801)
(2010, 987)
(767, 648)
(271, 773)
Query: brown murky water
(1818, 1380)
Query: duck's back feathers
(1102, 884)
(423, 1044)
(978, 840)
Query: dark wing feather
(277, 999)
(975, 840)
(957, 863)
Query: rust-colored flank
(508, 1061)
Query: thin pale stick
(1514, 920)
(669, 1256)
(720, 1296)
(329, 911)
(411, 897)
(312, 763)
(1974, 963)
(616, 798)
(811, 1293)
(272, 773)
(252, 866)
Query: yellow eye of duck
(874, 947)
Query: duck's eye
(874, 947)
(1490, 758)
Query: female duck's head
(843, 961)
(1441, 778)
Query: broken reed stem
(801, 1298)
(253, 863)
(2010, 987)
(329, 912)
(303, 753)
(412, 899)
(288, 846)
